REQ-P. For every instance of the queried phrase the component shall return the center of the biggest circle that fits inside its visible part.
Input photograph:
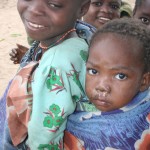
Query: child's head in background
(47, 20)
(118, 67)
(102, 11)
(125, 9)
(142, 11)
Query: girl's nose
(105, 8)
(37, 8)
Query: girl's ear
(84, 8)
(145, 82)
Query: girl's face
(114, 72)
(143, 12)
(47, 19)
(102, 11)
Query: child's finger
(13, 53)
(13, 59)
(14, 50)
(16, 62)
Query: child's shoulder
(71, 46)
(76, 42)
(73, 50)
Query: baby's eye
(145, 20)
(92, 71)
(121, 76)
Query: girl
(102, 11)
(45, 92)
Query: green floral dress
(56, 85)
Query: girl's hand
(16, 54)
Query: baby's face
(143, 13)
(114, 72)
(102, 11)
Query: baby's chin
(103, 106)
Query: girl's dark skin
(102, 11)
(46, 21)
(42, 21)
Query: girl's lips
(34, 27)
(103, 19)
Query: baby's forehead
(129, 42)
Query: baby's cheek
(87, 89)
(89, 92)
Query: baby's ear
(145, 84)
(84, 7)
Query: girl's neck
(45, 45)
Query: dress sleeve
(54, 98)
(57, 85)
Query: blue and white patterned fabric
(127, 128)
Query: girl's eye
(145, 20)
(114, 6)
(97, 4)
(91, 71)
(121, 76)
(53, 5)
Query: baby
(117, 114)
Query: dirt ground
(11, 32)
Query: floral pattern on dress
(84, 55)
(52, 121)
(51, 146)
(75, 75)
(54, 118)
(54, 81)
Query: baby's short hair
(129, 27)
